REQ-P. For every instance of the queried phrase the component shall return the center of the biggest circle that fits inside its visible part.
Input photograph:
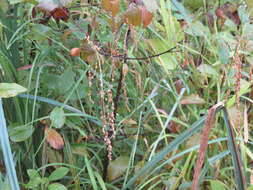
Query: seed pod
(75, 51)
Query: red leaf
(60, 14)
(146, 16)
(54, 138)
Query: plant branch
(116, 100)
(122, 56)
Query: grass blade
(91, 173)
(173, 145)
(6, 148)
(239, 176)
(56, 103)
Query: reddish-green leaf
(133, 15)
(112, 6)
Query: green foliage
(36, 181)
(58, 174)
(56, 186)
(57, 117)
(20, 133)
(10, 90)
(146, 71)
(117, 167)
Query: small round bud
(75, 51)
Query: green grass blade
(6, 148)
(239, 176)
(56, 103)
(174, 144)
(91, 173)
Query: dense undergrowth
(118, 91)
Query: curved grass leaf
(56, 103)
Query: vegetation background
(113, 94)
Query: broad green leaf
(60, 84)
(117, 167)
(40, 32)
(56, 186)
(20, 133)
(35, 179)
(57, 117)
(79, 28)
(217, 185)
(223, 53)
(59, 173)
(8, 90)
(207, 70)
(66, 80)
(34, 182)
(32, 173)
(193, 4)
(245, 87)
(167, 61)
